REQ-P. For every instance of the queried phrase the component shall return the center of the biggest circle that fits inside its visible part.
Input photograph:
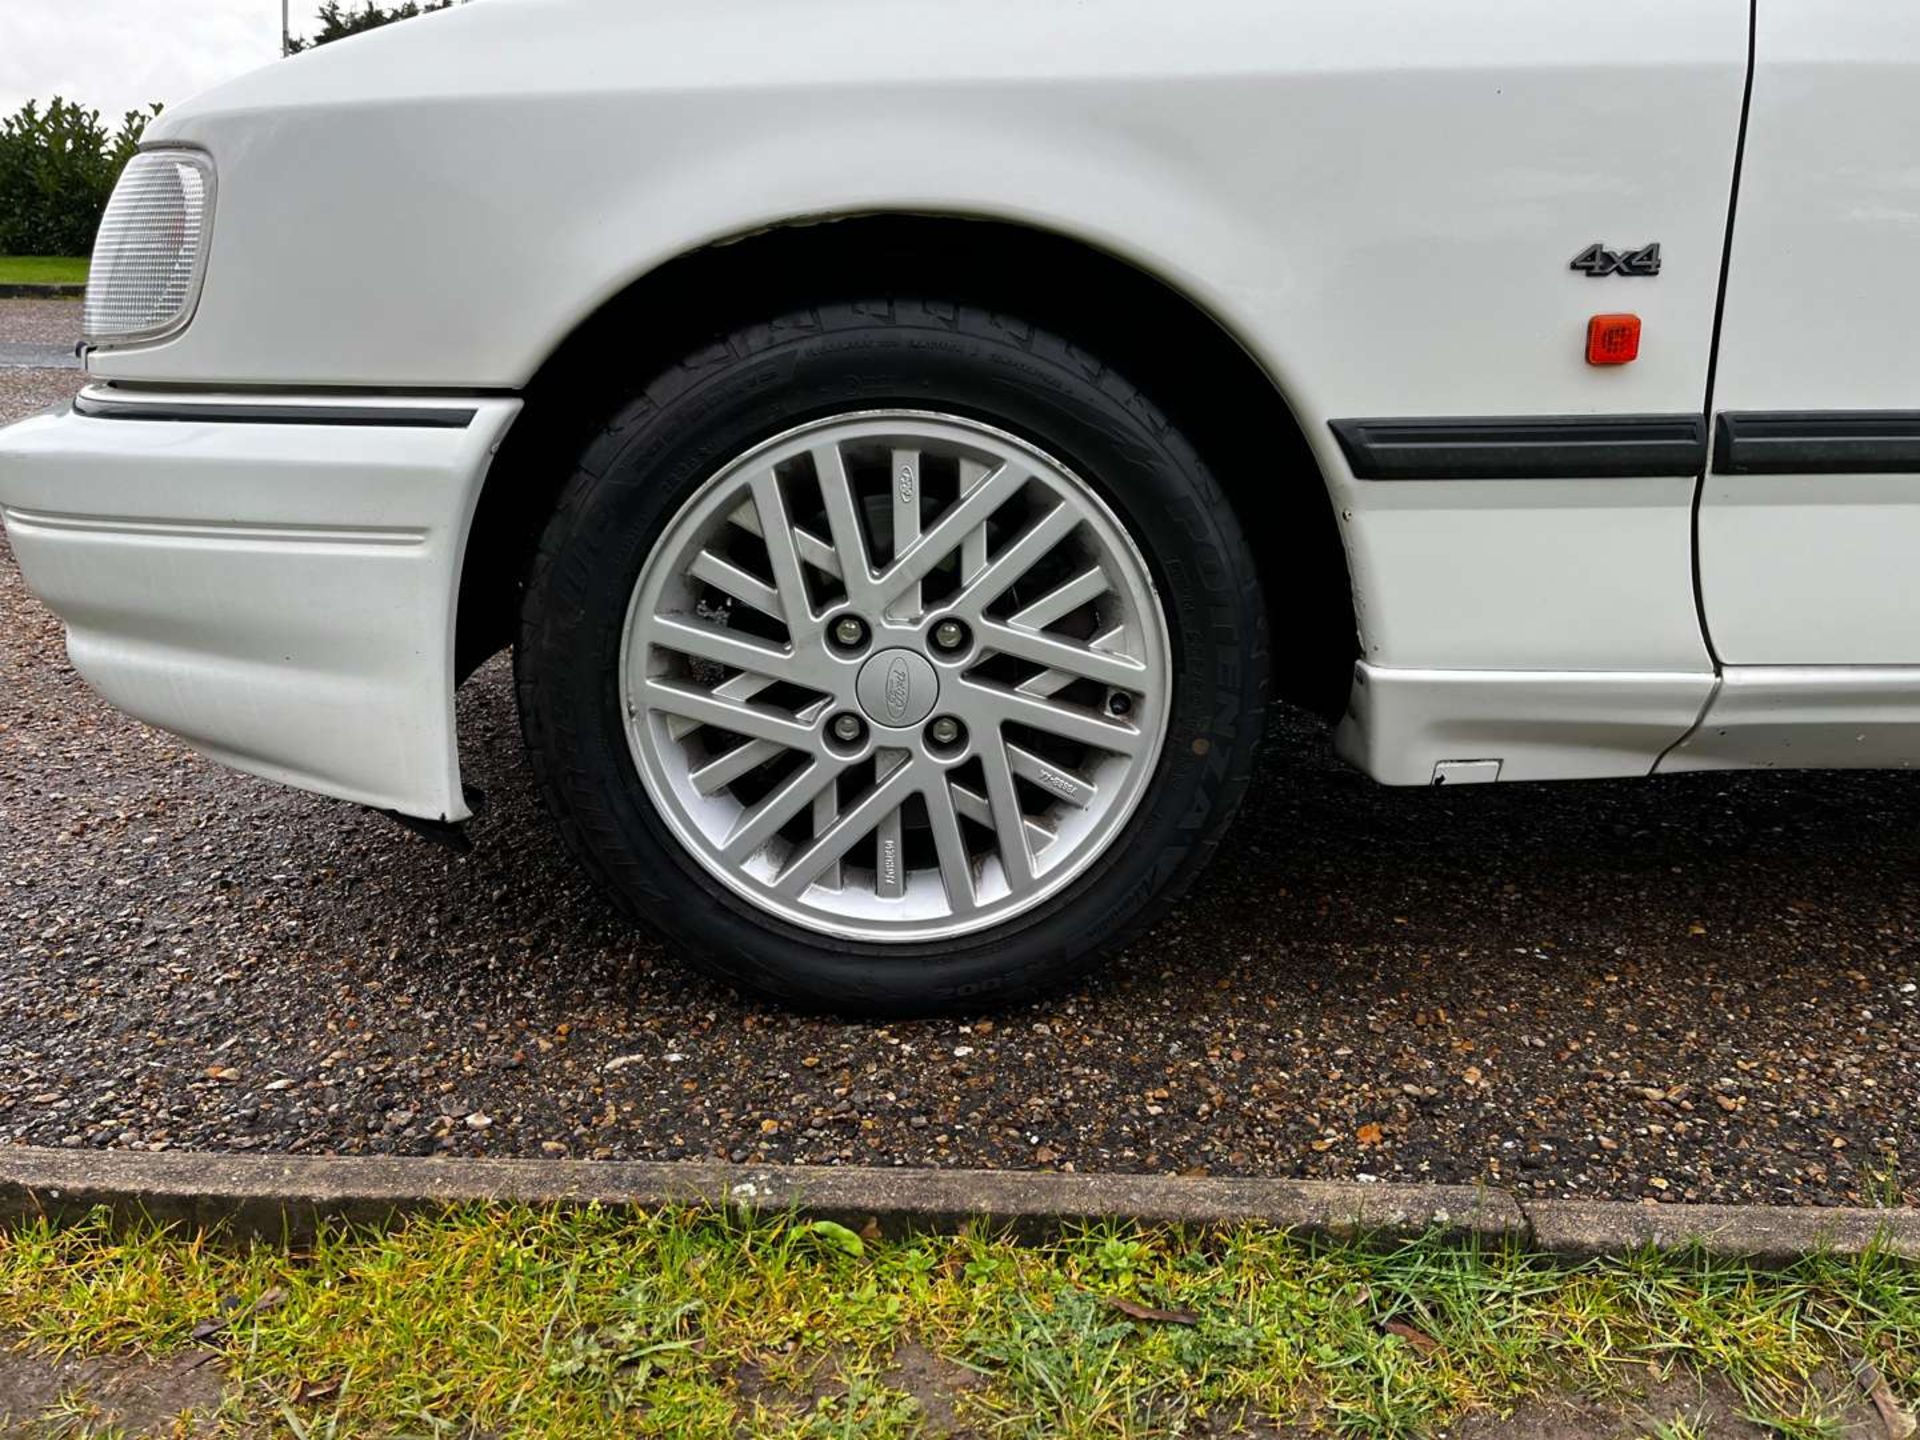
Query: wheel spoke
(1063, 599)
(1018, 558)
(811, 548)
(754, 722)
(722, 647)
(720, 772)
(843, 516)
(757, 826)
(956, 869)
(826, 809)
(906, 525)
(804, 868)
(972, 510)
(817, 552)
(1052, 682)
(1009, 824)
(972, 806)
(1070, 722)
(729, 578)
(1047, 682)
(889, 842)
(1075, 789)
(741, 687)
(973, 549)
(777, 530)
(1122, 672)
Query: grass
(42, 270)
(585, 1323)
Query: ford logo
(899, 689)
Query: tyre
(893, 657)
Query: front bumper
(273, 579)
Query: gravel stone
(40, 322)
(22, 392)
(1694, 988)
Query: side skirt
(1426, 727)
(1807, 716)
(1431, 727)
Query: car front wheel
(893, 656)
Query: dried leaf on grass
(311, 1392)
(234, 1310)
(1900, 1424)
(1133, 1309)
(1419, 1339)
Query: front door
(1809, 529)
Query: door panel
(1816, 566)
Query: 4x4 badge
(1596, 261)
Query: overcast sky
(116, 55)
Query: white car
(905, 441)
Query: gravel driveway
(38, 333)
(1693, 988)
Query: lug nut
(945, 731)
(1119, 703)
(950, 635)
(849, 630)
(847, 727)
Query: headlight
(152, 249)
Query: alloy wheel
(895, 676)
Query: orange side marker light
(1613, 339)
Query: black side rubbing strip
(1817, 442)
(1528, 447)
(411, 417)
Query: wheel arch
(1182, 354)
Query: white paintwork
(1376, 198)
(281, 596)
(1526, 574)
(1823, 313)
(1812, 569)
(1308, 172)
(1796, 717)
(1541, 725)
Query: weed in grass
(619, 1360)
(1812, 1422)
(75, 1417)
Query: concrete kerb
(1768, 1235)
(286, 1197)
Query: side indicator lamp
(1613, 339)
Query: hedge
(57, 169)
